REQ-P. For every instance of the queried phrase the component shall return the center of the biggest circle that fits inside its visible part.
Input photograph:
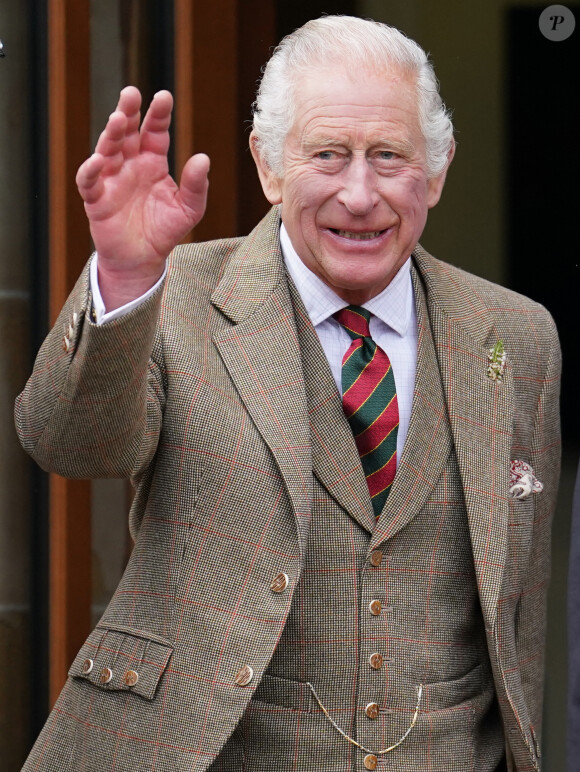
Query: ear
(271, 184)
(435, 184)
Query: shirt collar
(393, 305)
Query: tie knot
(355, 321)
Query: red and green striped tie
(369, 398)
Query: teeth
(359, 236)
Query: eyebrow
(322, 141)
(402, 147)
(405, 149)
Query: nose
(358, 192)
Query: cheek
(408, 197)
(308, 188)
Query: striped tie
(369, 398)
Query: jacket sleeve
(93, 404)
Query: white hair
(356, 42)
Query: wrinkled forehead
(324, 74)
(334, 89)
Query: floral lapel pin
(523, 481)
(497, 359)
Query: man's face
(355, 191)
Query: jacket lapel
(429, 439)
(262, 356)
(481, 418)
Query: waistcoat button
(370, 761)
(375, 607)
(376, 661)
(372, 710)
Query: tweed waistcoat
(426, 628)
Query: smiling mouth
(365, 236)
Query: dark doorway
(543, 181)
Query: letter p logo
(556, 22)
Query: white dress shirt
(393, 325)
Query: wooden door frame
(68, 245)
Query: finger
(121, 134)
(129, 100)
(89, 178)
(194, 185)
(111, 140)
(130, 105)
(155, 127)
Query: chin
(357, 282)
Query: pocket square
(523, 481)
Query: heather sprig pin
(497, 358)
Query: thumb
(193, 186)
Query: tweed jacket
(198, 395)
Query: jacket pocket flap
(122, 661)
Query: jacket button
(87, 666)
(372, 710)
(130, 678)
(106, 675)
(375, 607)
(376, 558)
(244, 676)
(376, 661)
(370, 761)
(280, 583)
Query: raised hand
(137, 213)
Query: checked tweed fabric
(369, 398)
(234, 455)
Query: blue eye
(386, 155)
(328, 161)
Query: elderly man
(345, 452)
